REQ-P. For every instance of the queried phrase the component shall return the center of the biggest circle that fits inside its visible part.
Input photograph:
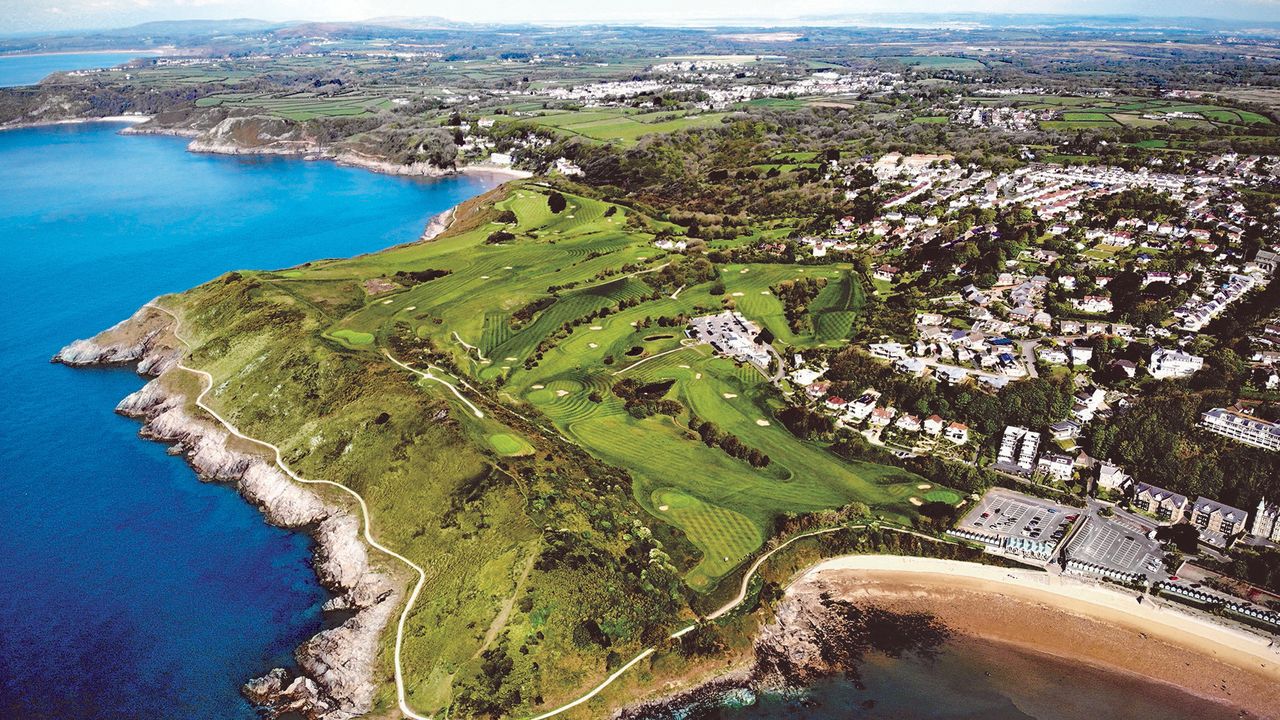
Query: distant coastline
(130, 119)
(126, 51)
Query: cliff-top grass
(585, 528)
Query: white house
(1111, 477)
(1173, 364)
(1092, 304)
(1053, 465)
(933, 425)
(957, 433)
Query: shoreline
(126, 51)
(347, 158)
(131, 120)
(1079, 597)
(335, 678)
(1071, 620)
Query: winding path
(408, 712)
(364, 507)
(724, 610)
(426, 374)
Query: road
(1028, 348)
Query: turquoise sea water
(129, 589)
(31, 69)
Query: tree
(556, 202)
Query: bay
(131, 589)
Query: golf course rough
(562, 312)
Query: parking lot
(1008, 514)
(1117, 546)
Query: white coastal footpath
(338, 663)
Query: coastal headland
(336, 666)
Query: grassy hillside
(562, 530)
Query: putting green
(353, 337)
(943, 496)
(509, 445)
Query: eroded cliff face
(256, 135)
(336, 666)
(814, 634)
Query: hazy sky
(26, 15)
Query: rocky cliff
(255, 135)
(335, 678)
(813, 634)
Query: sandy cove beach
(1066, 618)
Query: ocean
(31, 69)
(973, 679)
(130, 589)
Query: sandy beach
(1066, 618)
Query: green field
(936, 62)
(619, 126)
(564, 359)
(1083, 113)
(302, 106)
(509, 445)
(353, 337)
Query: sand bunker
(536, 387)
(923, 486)
(738, 294)
(386, 302)
(728, 396)
(915, 501)
(762, 422)
(593, 346)
(597, 327)
(412, 307)
(561, 393)
(662, 508)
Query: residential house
(1054, 356)
(1092, 304)
(1218, 519)
(816, 390)
(933, 425)
(1055, 466)
(1112, 477)
(908, 423)
(1164, 504)
(880, 417)
(886, 273)
(1173, 364)
(1064, 430)
(1266, 521)
(957, 433)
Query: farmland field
(618, 126)
(936, 62)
